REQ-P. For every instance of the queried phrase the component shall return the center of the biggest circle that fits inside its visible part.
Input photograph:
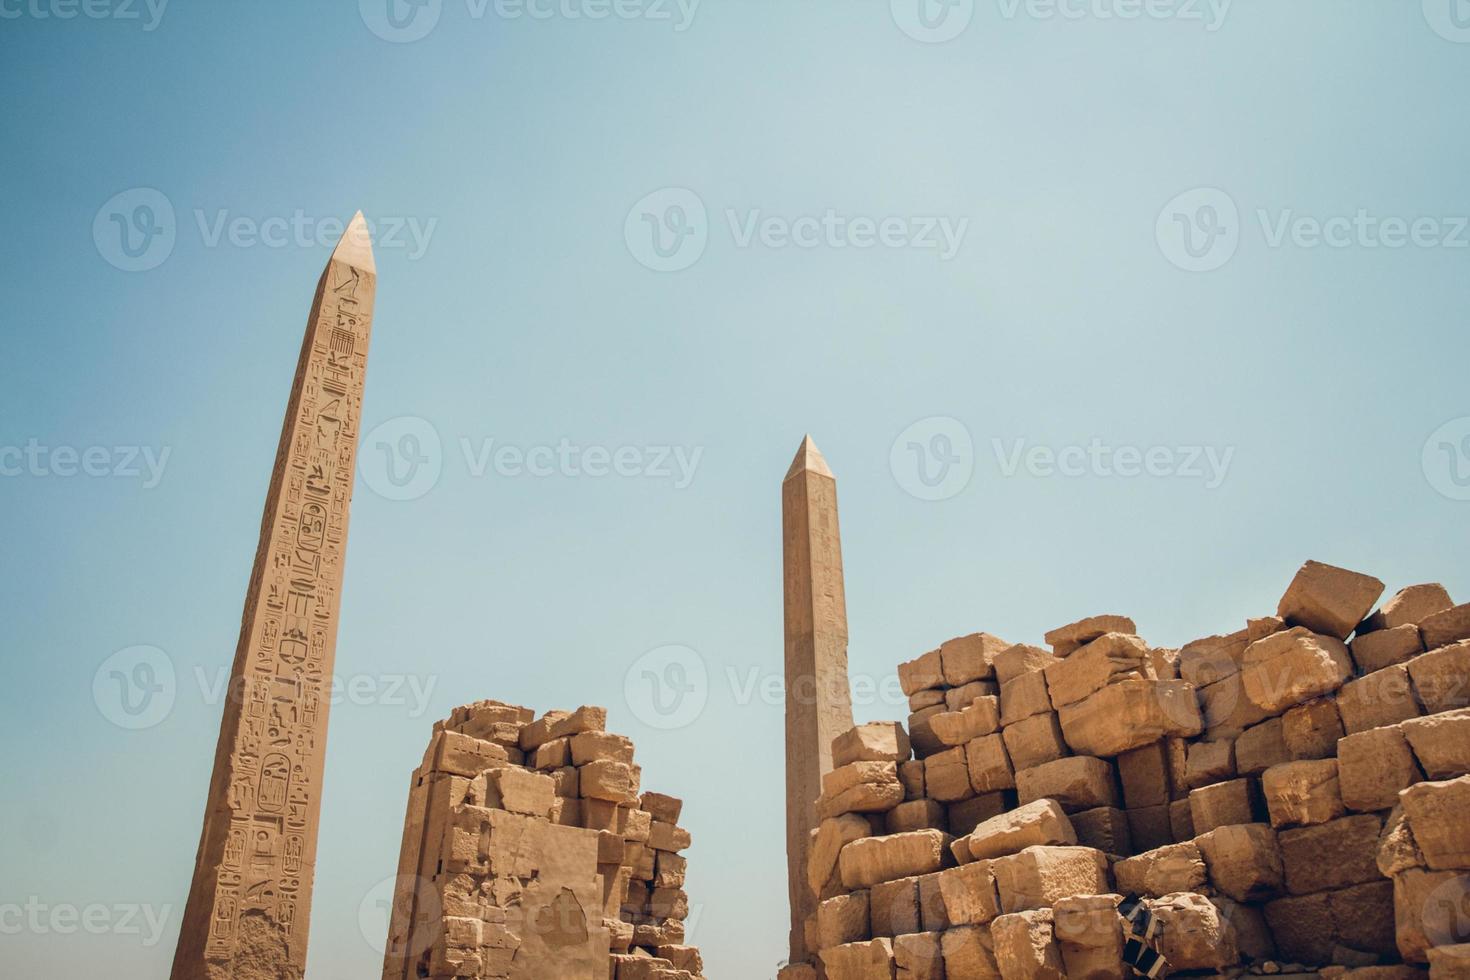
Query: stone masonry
(1289, 798)
(530, 853)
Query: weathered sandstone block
(1252, 935)
(929, 697)
(1076, 782)
(921, 733)
(911, 774)
(1372, 766)
(1089, 932)
(1039, 822)
(601, 746)
(1153, 774)
(1113, 656)
(1439, 815)
(1328, 926)
(1181, 822)
(1226, 709)
(1024, 696)
(1205, 661)
(1130, 714)
(1260, 747)
(1311, 730)
(1103, 828)
(968, 894)
(981, 717)
(860, 961)
(1162, 871)
(947, 775)
(1286, 669)
(1223, 805)
(1151, 826)
(919, 956)
(1450, 962)
(860, 787)
(1020, 659)
(893, 907)
(969, 658)
(989, 765)
(1064, 640)
(1408, 607)
(843, 920)
(1397, 849)
(1374, 651)
(1035, 740)
(1025, 948)
(831, 836)
(921, 674)
(966, 815)
(1328, 600)
(516, 790)
(1244, 861)
(561, 724)
(1441, 743)
(1429, 910)
(957, 698)
(1332, 855)
(871, 860)
(1302, 793)
(1195, 935)
(1263, 626)
(969, 951)
(1443, 628)
(1040, 875)
(1384, 697)
(1442, 678)
(615, 782)
(916, 815)
(1209, 762)
(880, 741)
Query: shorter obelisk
(250, 900)
(818, 697)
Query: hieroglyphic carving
(258, 848)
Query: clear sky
(1094, 306)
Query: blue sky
(1104, 306)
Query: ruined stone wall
(529, 854)
(1291, 797)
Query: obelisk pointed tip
(809, 458)
(356, 246)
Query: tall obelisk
(818, 697)
(250, 901)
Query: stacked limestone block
(529, 854)
(1267, 793)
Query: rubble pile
(529, 853)
(1291, 797)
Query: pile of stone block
(1294, 795)
(530, 853)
